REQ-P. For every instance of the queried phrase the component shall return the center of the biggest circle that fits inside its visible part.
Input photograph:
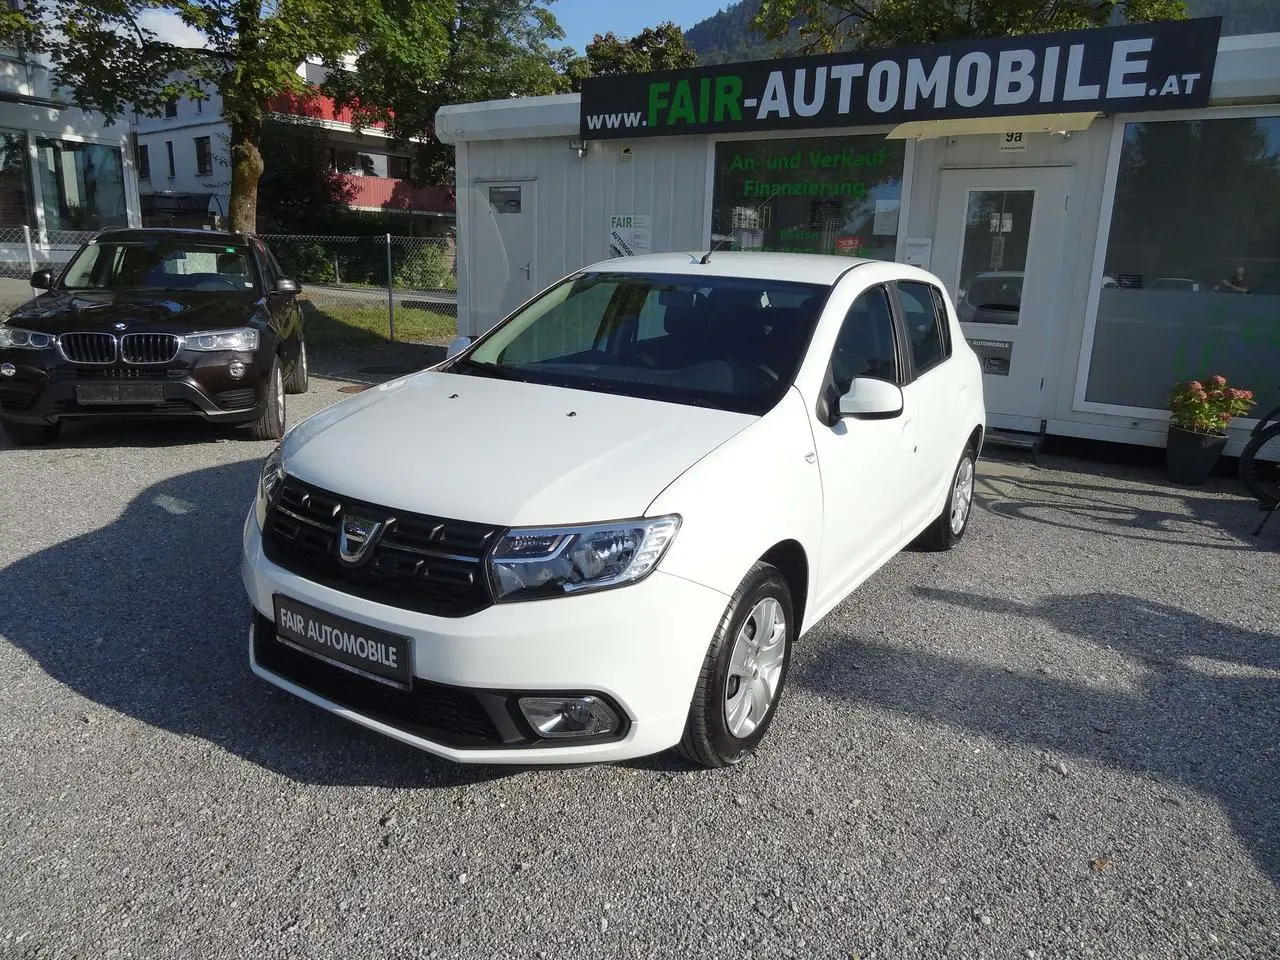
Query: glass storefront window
(81, 185)
(15, 180)
(1191, 283)
(836, 195)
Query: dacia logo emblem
(355, 536)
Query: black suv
(155, 323)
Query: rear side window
(865, 346)
(927, 332)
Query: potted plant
(1198, 427)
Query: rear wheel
(300, 377)
(30, 434)
(950, 526)
(1260, 466)
(743, 672)
(270, 426)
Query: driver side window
(866, 345)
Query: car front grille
(149, 347)
(237, 399)
(420, 563)
(119, 373)
(16, 400)
(436, 711)
(88, 347)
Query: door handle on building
(528, 273)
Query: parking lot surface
(1059, 740)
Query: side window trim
(901, 362)
(941, 323)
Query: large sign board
(1154, 66)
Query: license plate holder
(355, 647)
(113, 393)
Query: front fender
(753, 492)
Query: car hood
(503, 452)
(170, 311)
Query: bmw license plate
(120, 393)
(365, 650)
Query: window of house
(811, 195)
(81, 185)
(15, 181)
(866, 345)
(173, 170)
(204, 156)
(144, 162)
(171, 109)
(1191, 278)
(927, 333)
(398, 168)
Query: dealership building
(1103, 206)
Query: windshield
(168, 263)
(729, 343)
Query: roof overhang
(966, 126)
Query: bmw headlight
(245, 338)
(269, 482)
(538, 563)
(15, 338)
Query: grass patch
(365, 325)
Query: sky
(581, 19)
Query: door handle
(528, 273)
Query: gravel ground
(1059, 740)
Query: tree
(655, 48)
(299, 188)
(492, 50)
(829, 25)
(108, 60)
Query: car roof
(793, 267)
(144, 233)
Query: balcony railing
(388, 193)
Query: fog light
(561, 717)
(236, 369)
(7, 369)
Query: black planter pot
(1190, 457)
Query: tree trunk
(246, 171)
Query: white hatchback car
(597, 531)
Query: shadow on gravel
(1215, 523)
(147, 616)
(1207, 717)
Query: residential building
(184, 169)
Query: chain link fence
(354, 288)
(404, 288)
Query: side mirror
(456, 346)
(42, 280)
(288, 286)
(870, 399)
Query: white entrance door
(998, 248)
(506, 266)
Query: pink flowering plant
(1207, 407)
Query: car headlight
(15, 338)
(269, 482)
(245, 338)
(538, 563)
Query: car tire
(949, 527)
(31, 434)
(726, 721)
(300, 378)
(270, 426)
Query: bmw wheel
(270, 426)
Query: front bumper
(43, 388)
(640, 647)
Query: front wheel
(949, 527)
(1260, 466)
(300, 376)
(270, 426)
(743, 672)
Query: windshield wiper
(485, 369)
